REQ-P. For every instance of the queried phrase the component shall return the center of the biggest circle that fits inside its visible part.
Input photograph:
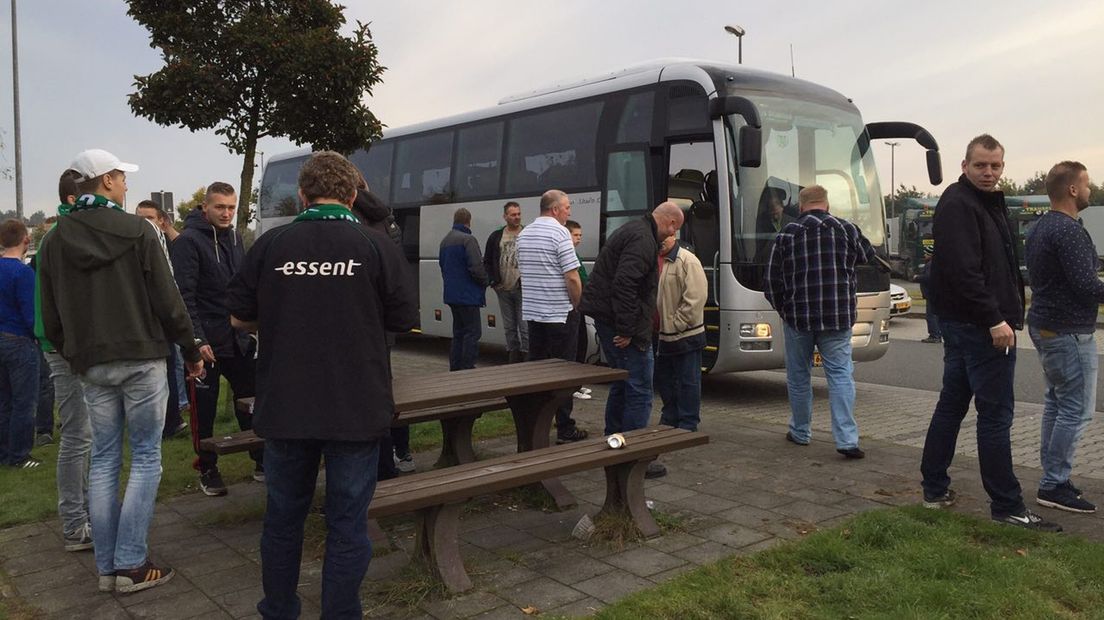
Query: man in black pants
(205, 257)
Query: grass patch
(899, 563)
(408, 588)
(615, 531)
(31, 496)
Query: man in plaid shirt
(811, 283)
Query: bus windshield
(804, 143)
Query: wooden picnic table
(533, 390)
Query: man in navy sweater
(1066, 293)
(465, 281)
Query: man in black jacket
(205, 257)
(620, 296)
(978, 295)
(501, 264)
(323, 292)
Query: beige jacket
(681, 300)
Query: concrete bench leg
(456, 441)
(625, 495)
(437, 545)
(533, 416)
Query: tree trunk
(245, 192)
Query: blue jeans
(466, 331)
(629, 404)
(974, 369)
(124, 396)
(1069, 364)
(19, 359)
(678, 381)
(516, 328)
(74, 446)
(44, 412)
(291, 466)
(835, 352)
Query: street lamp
(892, 182)
(15, 105)
(738, 32)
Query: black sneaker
(932, 340)
(142, 578)
(1028, 520)
(258, 473)
(28, 463)
(576, 434)
(790, 438)
(211, 483)
(852, 453)
(1064, 498)
(655, 470)
(1069, 485)
(943, 501)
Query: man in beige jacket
(680, 310)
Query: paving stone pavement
(745, 491)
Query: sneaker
(655, 470)
(142, 578)
(576, 434)
(258, 473)
(585, 390)
(1028, 520)
(1069, 485)
(852, 453)
(211, 483)
(1063, 498)
(932, 340)
(27, 463)
(180, 428)
(943, 501)
(44, 439)
(405, 464)
(80, 540)
(581, 395)
(107, 583)
(790, 438)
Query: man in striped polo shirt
(550, 275)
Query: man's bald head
(668, 219)
(813, 197)
(555, 204)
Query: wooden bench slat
(466, 481)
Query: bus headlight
(755, 330)
(885, 325)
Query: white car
(899, 301)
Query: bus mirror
(935, 167)
(751, 146)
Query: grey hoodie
(107, 293)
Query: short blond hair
(328, 174)
(812, 195)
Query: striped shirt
(811, 274)
(545, 253)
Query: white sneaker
(106, 583)
(584, 390)
(406, 464)
(581, 395)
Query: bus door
(692, 185)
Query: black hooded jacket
(204, 260)
(975, 274)
(107, 294)
(621, 290)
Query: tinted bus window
(636, 120)
(553, 149)
(280, 187)
(422, 168)
(687, 109)
(375, 165)
(477, 166)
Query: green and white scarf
(327, 212)
(92, 201)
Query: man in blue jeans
(110, 308)
(978, 295)
(811, 283)
(19, 354)
(621, 298)
(465, 283)
(311, 403)
(1066, 294)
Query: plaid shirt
(811, 273)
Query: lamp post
(892, 182)
(15, 127)
(739, 33)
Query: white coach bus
(719, 140)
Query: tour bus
(719, 140)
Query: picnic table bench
(533, 391)
(437, 495)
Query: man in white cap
(110, 307)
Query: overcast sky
(1017, 69)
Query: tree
(902, 193)
(1096, 194)
(1035, 185)
(1009, 187)
(189, 205)
(257, 68)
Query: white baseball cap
(97, 162)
